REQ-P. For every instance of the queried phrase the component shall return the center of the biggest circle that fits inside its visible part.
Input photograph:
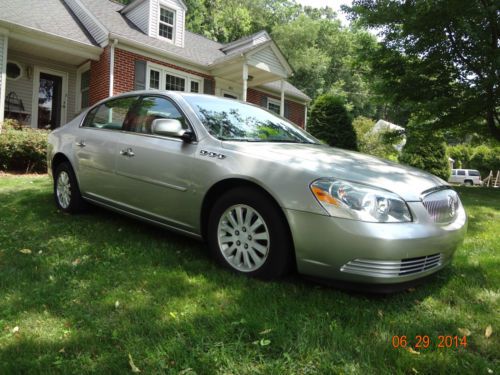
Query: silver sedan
(265, 195)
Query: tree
(426, 149)
(331, 122)
(440, 56)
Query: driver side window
(150, 109)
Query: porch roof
(49, 16)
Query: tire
(245, 245)
(66, 191)
(468, 183)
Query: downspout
(112, 67)
(305, 116)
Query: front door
(49, 99)
(155, 172)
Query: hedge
(23, 150)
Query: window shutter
(140, 75)
(263, 101)
(209, 86)
(287, 110)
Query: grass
(78, 294)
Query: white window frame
(21, 70)
(82, 69)
(188, 77)
(159, 21)
(274, 102)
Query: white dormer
(162, 19)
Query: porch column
(282, 104)
(305, 116)
(4, 41)
(245, 81)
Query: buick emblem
(451, 205)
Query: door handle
(128, 152)
(81, 144)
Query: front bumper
(374, 253)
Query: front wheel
(247, 234)
(66, 192)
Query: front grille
(392, 268)
(442, 205)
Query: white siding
(95, 29)
(3, 55)
(140, 16)
(23, 86)
(265, 59)
(180, 15)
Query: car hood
(324, 161)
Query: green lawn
(78, 294)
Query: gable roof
(49, 16)
(197, 49)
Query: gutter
(112, 67)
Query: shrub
(23, 150)
(331, 122)
(426, 149)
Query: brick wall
(125, 70)
(124, 73)
(294, 111)
(99, 78)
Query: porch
(44, 82)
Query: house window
(274, 105)
(195, 86)
(166, 25)
(84, 89)
(14, 70)
(163, 78)
(175, 83)
(154, 80)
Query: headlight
(360, 202)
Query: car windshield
(230, 120)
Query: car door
(96, 148)
(155, 171)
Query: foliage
(461, 154)
(486, 159)
(426, 150)
(23, 150)
(328, 58)
(381, 144)
(331, 123)
(440, 57)
(86, 291)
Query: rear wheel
(468, 183)
(66, 192)
(247, 234)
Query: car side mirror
(168, 127)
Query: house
(60, 56)
(382, 126)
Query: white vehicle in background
(465, 177)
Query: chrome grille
(442, 205)
(392, 268)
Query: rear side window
(150, 109)
(474, 173)
(453, 172)
(461, 173)
(110, 115)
